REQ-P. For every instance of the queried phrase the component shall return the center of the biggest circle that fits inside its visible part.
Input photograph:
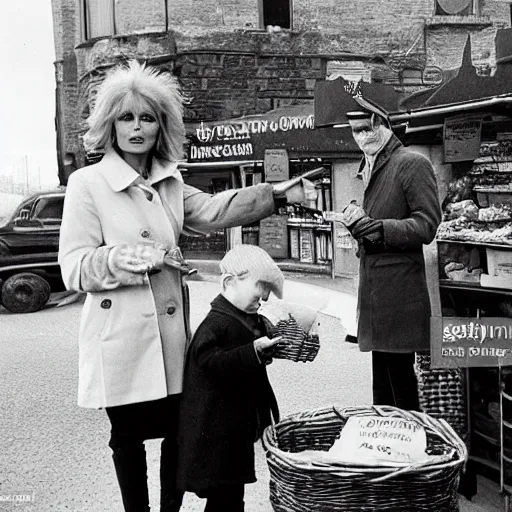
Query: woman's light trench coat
(132, 337)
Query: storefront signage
(234, 140)
(229, 151)
(464, 342)
(462, 139)
(242, 130)
(277, 167)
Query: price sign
(464, 342)
(276, 165)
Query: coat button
(171, 310)
(106, 303)
(144, 233)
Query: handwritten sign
(462, 139)
(274, 235)
(378, 440)
(464, 342)
(276, 166)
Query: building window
(98, 18)
(103, 18)
(456, 7)
(275, 13)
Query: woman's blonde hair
(140, 82)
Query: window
(98, 18)
(48, 210)
(103, 18)
(456, 7)
(275, 13)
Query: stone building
(240, 57)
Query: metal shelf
(490, 439)
(485, 462)
(471, 242)
(475, 287)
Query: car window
(48, 210)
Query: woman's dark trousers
(132, 424)
(394, 380)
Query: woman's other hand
(138, 259)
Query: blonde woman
(122, 217)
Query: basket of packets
(296, 324)
(355, 459)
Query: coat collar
(222, 305)
(384, 155)
(120, 175)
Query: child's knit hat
(251, 260)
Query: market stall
(465, 128)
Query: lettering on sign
(244, 129)
(464, 342)
(377, 440)
(462, 139)
(276, 166)
(221, 151)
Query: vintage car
(29, 244)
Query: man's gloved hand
(360, 224)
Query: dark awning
(246, 138)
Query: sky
(27, 91)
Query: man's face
(366, 136)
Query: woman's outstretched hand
(138, 259)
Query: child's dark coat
(227, 400)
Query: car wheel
(25, 293)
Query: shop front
(468, 380)
(273, 147)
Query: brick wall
(228, 67)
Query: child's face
(246, 294)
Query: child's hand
(265, 342)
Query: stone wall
(228, 66)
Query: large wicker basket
(298, 485)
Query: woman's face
(136, 128)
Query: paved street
(59, 451)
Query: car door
(37, 232)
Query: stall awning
(246, 138)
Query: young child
(227, 398)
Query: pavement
(59, 452)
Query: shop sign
(242, 151)
(462, 139)
(234, 140)
(277, 167)
(464, 342)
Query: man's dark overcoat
(227, 400)
(394, 306)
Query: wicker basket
(298, 485)
(297, 346)
(442, 394)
